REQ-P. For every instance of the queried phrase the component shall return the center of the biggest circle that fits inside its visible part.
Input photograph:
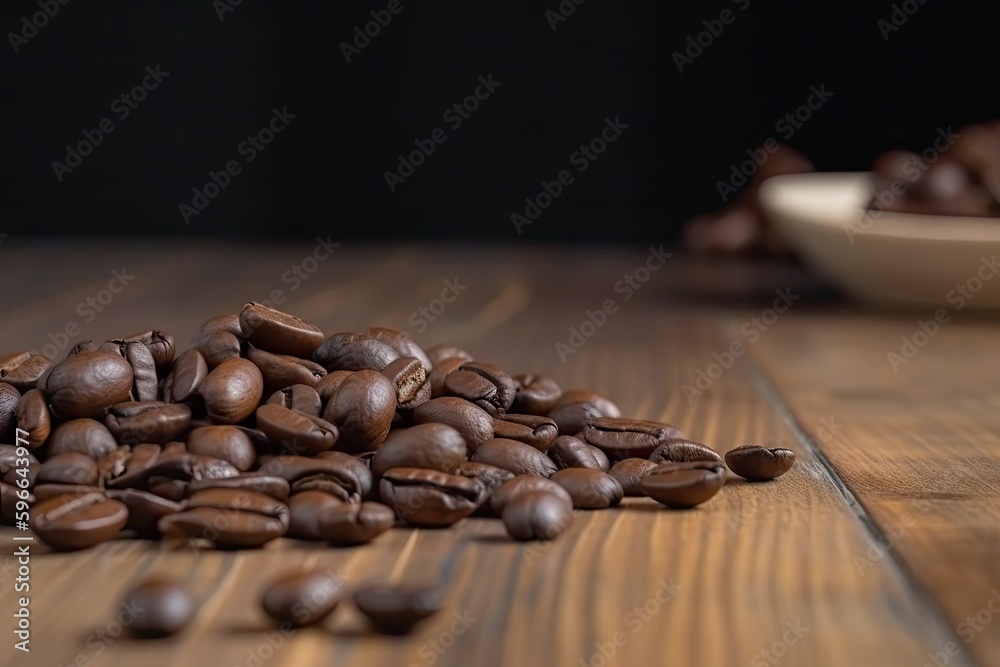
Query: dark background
(324, 174)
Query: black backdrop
(325, 171)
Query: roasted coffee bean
(187, 467)
(522, 484)
(270, 485)
(569, 452)
(362, 409)
(354, 352)
(33, 416)
(232, 391)
(88, 384)
(159, 344)
(537, 515)
(281, 370)
(395, 610)
(517, 457)
(69, 468)
(604, 405)
(22, 370)
(590, 489)
(571, 418)
(158, 608)
(441, 370)
(229, 518)
(430, 498)
(629, 472)
(602, 459)
(301, 600)
(71, 522)
(439, 353)
(295, 431)
(622, 438)
(401, 343)
(223, 442)
(484, 384)
(759, 464)
(278, 332)
(9, 398)
(87, 436)
(135, 422)
(681, 451)
(536, 394)
(345, 476)
(306, 508)
(409, 379)
(537, 431)
(475, 425)
(139, 357)
(489, 476)
(433, 446)
(43, 492)
(330, 383)
(219, 339)
(10, 495)
(119, 472)
(299, 397)
(185, 378)
(684, 484)
(144, 509)
(350, 523)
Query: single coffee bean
(401, 343)
(281, 370)
(629, 472)
(119, 472)
(604, 405)
(537, 515)
(622, 438)
(10, 496)
(474, 423)
(362, 409)
(70, 522)
(223, 442)
(270, 485)
(433, 446)
(158, 608)
(33, 416)
(395, 610)
(537, 431)
(484, 384)
(144, 509)
(342, 475)
(536, 394)
(296, 432)
(9, 398)
(88, 384)
(429, 498)
(489, 476)
(69, 468)
(571, 418)
(441, 370)
(218, 339)
(159, 344)
(522, 484)
(354, 352)
(684, 484)
(87, 436)
(232, 391)
(590, 489)
(229, 518)
(301, 600)
(22, 370)
(679, 450)
(569, 452)
(299, 397)
(330, 383)
(307, 508)
(517, 457)
(759, 464)
(278, 332)
(350, 523)
(185, 378)
(439, 353)
(409, 379)
(134, 422)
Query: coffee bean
(362, 409)
(475, 425)
(439, 353)
(229, 518)
(350, 524)
(590, 489)
(517, 457)
(522, 484)
(628, 472)
(569, 452)
(33, 416)
(136, 422)
(354, 352)
(604, 405)
(536, 394)
(409, 379)
(9, 398)
(144, 509)
(401, 343)
(218, 345)
(757, 463)
(429, 498)
(345, 476)
(22, 370)
(537, 515)
(278, 332)
(684, 484)
(9, 459)
(45, 491)
(88, 384)
(159, 344)
(571, 418)
(681, 451)
(395, 610)
(537, 431)
(281, 370)
(307, 508)
(70, 522)
(130, 471)
(441, 370)
(330, 383)
(139, 357)
(433, 446)
(232, 391)
(157, 608)
(270, 485)
(622, 438)
(295, 431)
(185, 378)
(299, 397)
(69, 468)
(491, 477)
(223, 442)
(87, 436)
(187, 467)
(484, 384)
(301, 600)
(604, 464)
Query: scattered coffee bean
(350, 523)
(354, 352)
(185, 378)
(682, 451)
(218, 339)
(433, 446)
(402, 344)
(536, 395)
(84, 435)
(278, 332)
(223, 442)
(345, 476)
(69, 522)
(572, 418)
(232, 391)
(229, 518)
(409, 378)
(306, 509)
(299, 397)
(474, 423)
(537, 515)
(135, 422)
(296, 431)
(144, 509)
(88, 384)
(395, 610)
(590, 489)
(281, 370)
(569, 452)
(158, 608)
(522, 484)
(362, 408)
(684, 484)
(622, 438)
(484, 384)
(758, 464)
(537, 431)
(629, 472)
(515, 456)
(301, 600)
(430, 498)
(603, 404)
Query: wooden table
(881, 547)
